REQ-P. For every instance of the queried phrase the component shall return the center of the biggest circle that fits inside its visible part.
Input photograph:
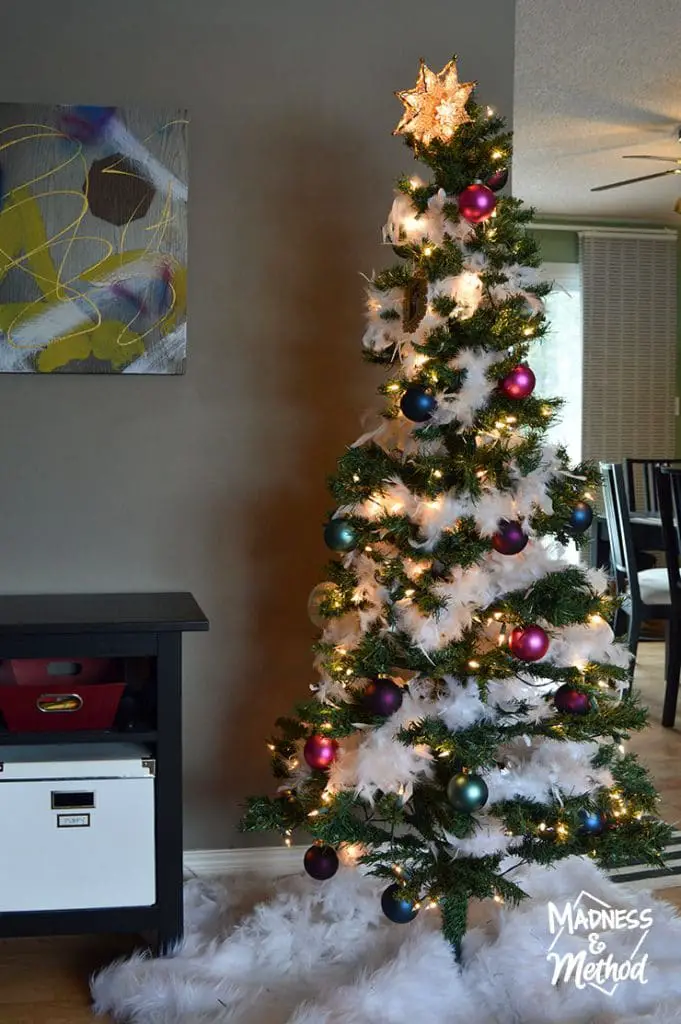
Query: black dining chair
(640, 479)
(644, 593)
(669, 495)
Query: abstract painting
(93, 239)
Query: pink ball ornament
(529, 643)
(476, 203)
(519, 383)
(320, 751)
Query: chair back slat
(641, 482)
(622, 550)
(669, 496)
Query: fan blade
(630, 181)
(662, 159)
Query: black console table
(143, 631)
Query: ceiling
(595, 79)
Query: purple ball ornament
(476, 203)
(320, 751)
(519, 383)
(510, 538)
(571, 701)
(497, 180)
(382, 697)
(321, 862)
(528, 643)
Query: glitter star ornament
(436, 106)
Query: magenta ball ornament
(320, 751)
(382, 697)
(321, 862)
(528, 643)
(476, 203)
(510, 538)
(519, 383)
(571, 701)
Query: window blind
(629, 297)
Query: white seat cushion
(654, 584)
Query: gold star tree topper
(436, 106)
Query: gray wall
(214, 482)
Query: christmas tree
(471, 703)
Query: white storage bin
(76, 827)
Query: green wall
(558, 246)
(562, 246)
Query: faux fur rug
(304, 952)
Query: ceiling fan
(676, 169)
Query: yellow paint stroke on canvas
(25, 247)
(103, 342)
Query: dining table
(646, 528)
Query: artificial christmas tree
(469, 712)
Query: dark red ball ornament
(497, 180)
(528, 643)
(510, 538)
(320, 751)
(519, 383)
(321, 862)
(476, 203)
(571, 701)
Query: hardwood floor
(45, 981)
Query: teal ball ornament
(395, 908)
(340, 535)
(581, 517)
(467, 792)
(417, 404)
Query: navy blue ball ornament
(382, 697)
(395, 908)
(593, 823)
(467, 792)
(321, 862)
(581, 517)
(417, 404)
(340, 535)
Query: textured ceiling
(596, 79)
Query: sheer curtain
(557, 360)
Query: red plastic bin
(51, 671)
(60, 706)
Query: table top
(100, 613)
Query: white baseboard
(272, 861)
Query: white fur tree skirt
(302, 952)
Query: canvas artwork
(93, 239)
